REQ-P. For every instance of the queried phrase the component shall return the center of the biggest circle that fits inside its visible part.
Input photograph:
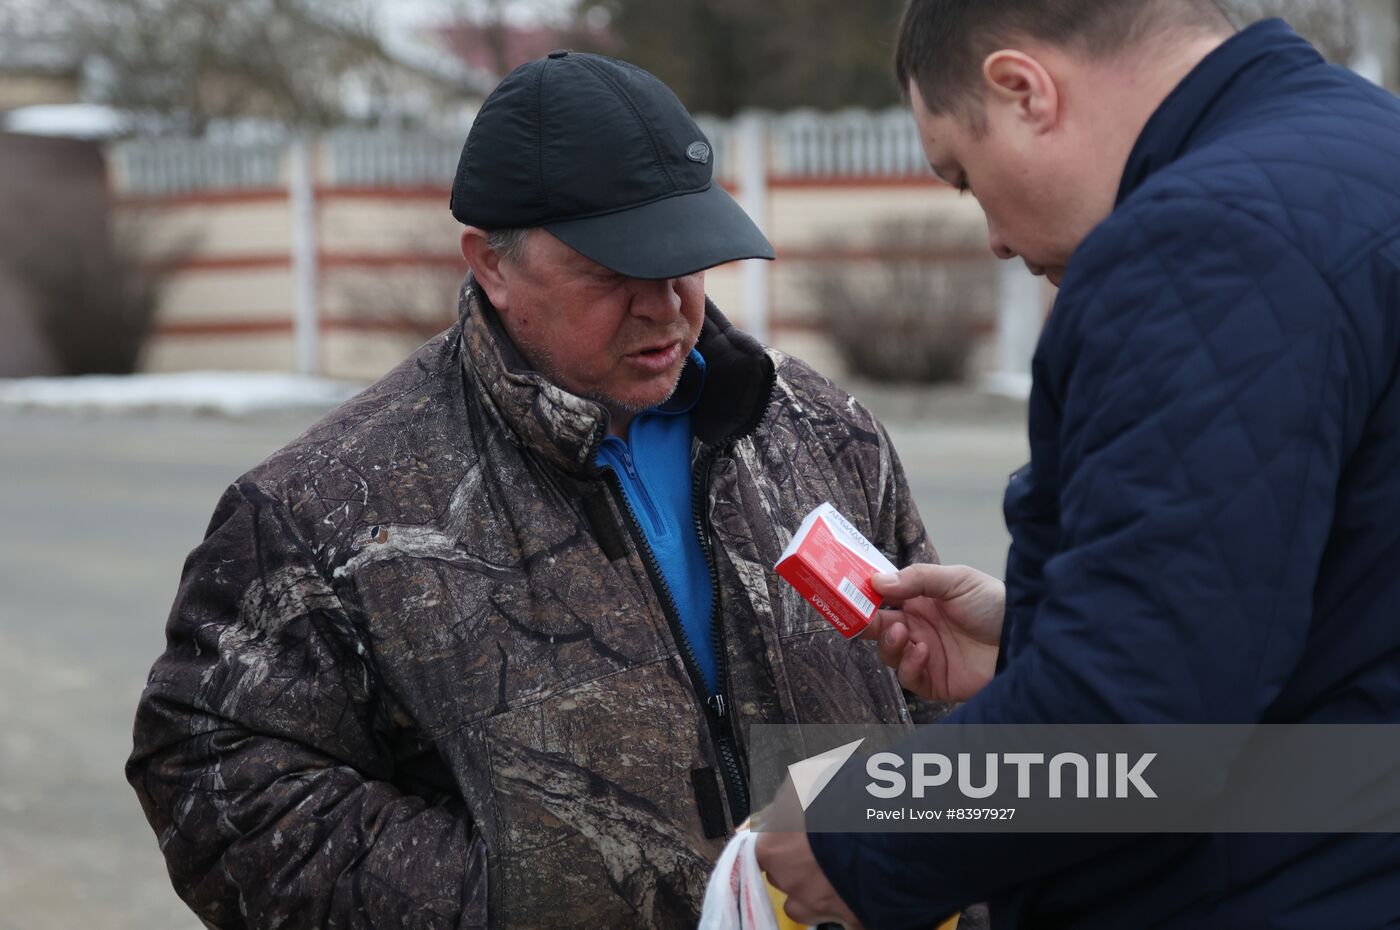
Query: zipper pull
(627, 464)
(716, 704)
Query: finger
(890, 615)
(935, 581)
(876, 627)
(880, 624)
(893, 644)
(800, 914)
(913, 669)
(762, 852)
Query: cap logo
(698, 152)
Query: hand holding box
(830, 563)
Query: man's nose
(999, 247)
(656, 300)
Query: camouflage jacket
(420, 672)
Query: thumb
(940, 582)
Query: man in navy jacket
(1209, 528)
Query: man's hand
(785, 856)
(943, 630)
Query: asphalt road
(96, 516)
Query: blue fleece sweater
(653, 465)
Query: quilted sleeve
(258, 760)
(1198, 371)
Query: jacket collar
(566, 429)
(1246, 67)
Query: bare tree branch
(185, 63)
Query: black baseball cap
(605, 157)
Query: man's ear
(1023, 83)
(486, 264)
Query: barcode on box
(853, 594)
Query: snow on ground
(71, 120)
(233, 393)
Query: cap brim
(668, 238)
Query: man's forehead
(933, 132)
(566, 258)
(929, 124)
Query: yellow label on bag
(779, 898)
(787, 923)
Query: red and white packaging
(830, 563)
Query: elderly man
(1209, 527)
(480, 648)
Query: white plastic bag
(737, 896)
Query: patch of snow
(233, 393)
(69, 120)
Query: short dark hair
(942, 43)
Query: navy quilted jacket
(1209, 529)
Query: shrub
(90, 296)
(915, 313)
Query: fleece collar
(566, 429)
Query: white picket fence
(178, 166)
(799, 144)
(751, 153)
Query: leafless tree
(908, 315)
(185, 63)
(721, 56)
(92, 293)
(408, 305)
(89, 292)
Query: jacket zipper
(716, 704)
(726, 740)
(653, 517)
